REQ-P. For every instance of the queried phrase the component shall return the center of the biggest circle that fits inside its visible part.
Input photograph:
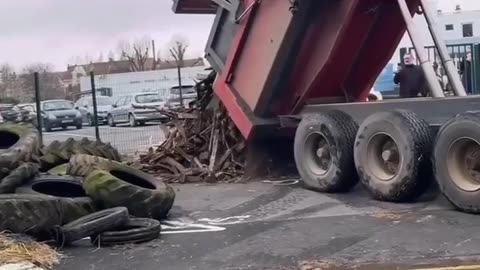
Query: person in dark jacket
(411, 79)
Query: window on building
(467, 30)
(449, 27)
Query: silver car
(136, 109)
(85, 106)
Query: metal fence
(122, 111)
(466, 58)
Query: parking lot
(129, 141)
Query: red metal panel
(346, 45)
(223, 90)
(260, 50)
(357, 43)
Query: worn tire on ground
(58, 153)
(30, 214)
(82, 165)
(18, 143)
(458, 183)
(92, 224)
(18, 177)
(67, 189)
(136, 230)
(59, 170)
(337, 130)
(116, 184)
(413, 139)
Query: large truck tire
(392, 155)
(30, 214)
(83, 165)
(323, 151)
(456, 158)
(18, 143)
(66, 189)
(18, 177)
(58, 153)
(117, 184)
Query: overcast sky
(57, 31)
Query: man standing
(411, 79)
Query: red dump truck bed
(275, 56)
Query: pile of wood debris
(202, 145)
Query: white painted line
(70, 135)
(176, 228)
(460, 267)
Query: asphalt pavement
(128, 140)
(263, 226)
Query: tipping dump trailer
(310, 65)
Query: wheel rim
(89, 120)
(110, 120)
(383, 157)
(318, 157)
(463, 163)
(132, 121)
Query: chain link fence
(121, 109)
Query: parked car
(132, 109)
(189, 94)
(60, 113)
(7, 112)
(27, 113)
(85, 106)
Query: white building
(147, 81)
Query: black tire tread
(411, 188)
(75, 208)
(18, 177)
(471, 208)
(145, 230)
(110, 191)
(30, 214)
(92, 224)
(347, 129)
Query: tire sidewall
(324, 125)
(397, 130)
(466, 200)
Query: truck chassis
(294, 62)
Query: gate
(466, 58)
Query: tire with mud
(136, 230)
(58, 153)
(392, 155)
(59, 170)
(323, 151)
(82, 165)
(456, 157)
(30, 214)
(18, 143)
(115, 184)
(18, 177)
(67, 189)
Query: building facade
(159, 81)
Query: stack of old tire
(75, 189)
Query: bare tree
(177, 51)
(136, 52)
(50, 83)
